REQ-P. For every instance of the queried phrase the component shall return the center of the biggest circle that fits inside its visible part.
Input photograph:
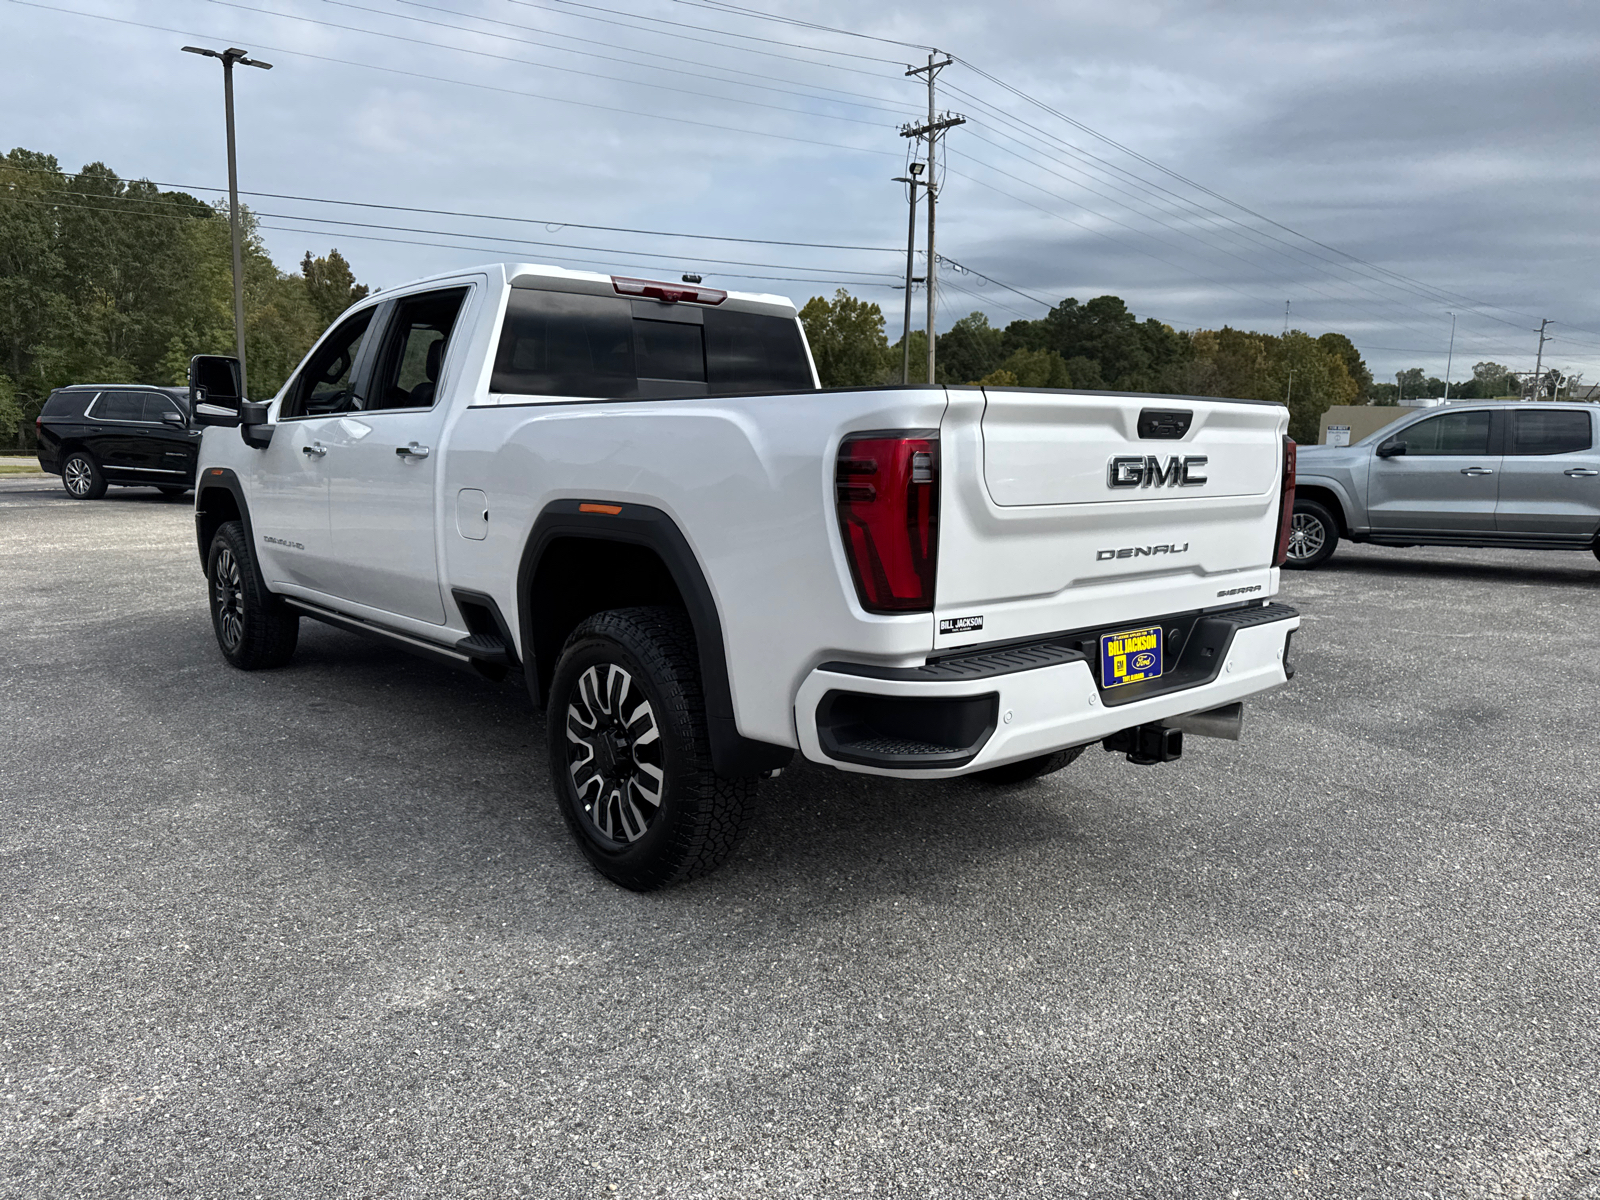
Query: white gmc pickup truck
(636, 495)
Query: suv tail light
(1280, 552)
(887, 490)
(670, 292)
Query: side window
(119, 406)
(1549, 431)
(326, 384)
(413, 350)
(156, 406)
(1449, 433)
(563, 344)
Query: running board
(372, 629)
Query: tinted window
(66, 404)
(748, 352)
(669, 350)
(155, 404)
(1449, 433)
(557, 344)
(119, 406)
(413, 351)
(1549, 431)
(326, 384)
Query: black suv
(94, 434)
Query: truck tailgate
(1064, 511)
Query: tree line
(1096, 345)
(110, 280)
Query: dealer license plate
(1130, 657)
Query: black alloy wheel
(254, 628)
(1313, 536)
(81, 477)
(630, 757)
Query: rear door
(1550, 475)
(115, 436)
(384, 463)
(1447, 481)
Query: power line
(487, 87)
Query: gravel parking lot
(320, 931)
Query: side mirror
(214, 380)
(1391, 448)
(172, 418)
(253, 427)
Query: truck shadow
(452, 789)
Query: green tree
(1030, 368)
(1355, 366)
(970, 349)
(847, 341)
(330, 285)
(11, 415)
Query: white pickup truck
(636, 495)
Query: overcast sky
(1404, 160)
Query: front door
(173, 445)
(382, 499)
(1550, 478)
(289, 506)
(1447, 481)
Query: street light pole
(1450, 358)
(228, 58)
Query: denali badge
(1139, 470)
(960, 624)
(1140, 551)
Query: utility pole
(913, 180)
(1538, 364)
(228, 58)
(1450, 358)
(1286, 317)
(935, 126)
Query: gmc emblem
(1138, 470)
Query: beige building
(1347, 424)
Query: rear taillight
(887, 489)
(1280, 552)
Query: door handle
(1580, 472)
(315, 450)
(413, 451)
(1476, 471)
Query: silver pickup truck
(1516, 475)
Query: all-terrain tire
(630, 756)
(254, 628)
(1313, 535)
(81, 477)
(1029, 769)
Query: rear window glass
(1553, 431)
(751, 352)
(119, 406)
(560, 344)
(669, 350)
(1452, 433)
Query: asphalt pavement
(320, 932)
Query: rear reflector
(672, 293)
(1280, 552)
(887, 491)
